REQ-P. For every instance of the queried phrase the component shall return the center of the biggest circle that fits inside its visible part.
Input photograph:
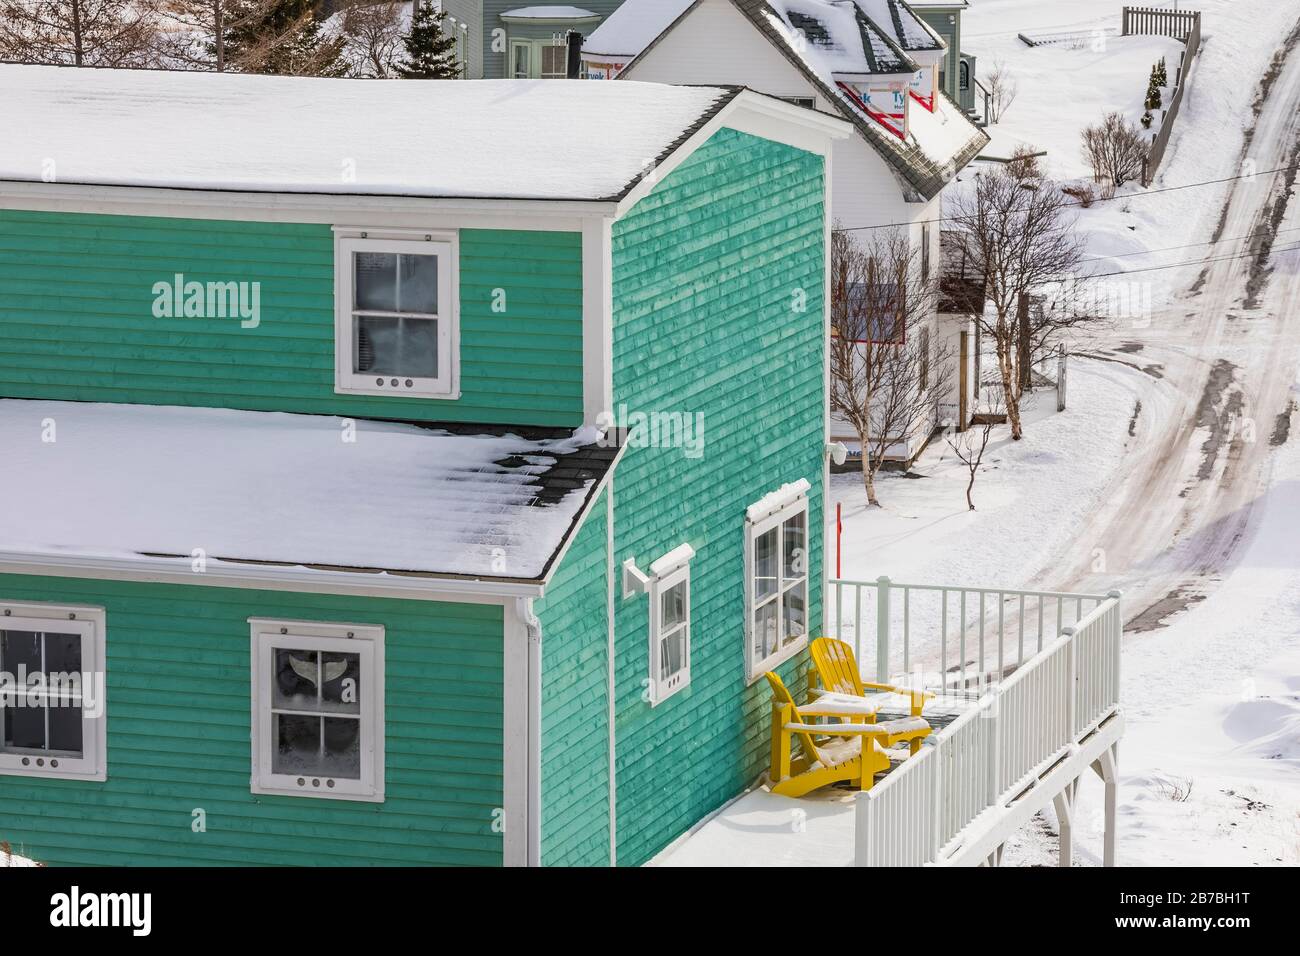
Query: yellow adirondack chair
(837, 671)
(854, 752)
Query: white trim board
(263, 578)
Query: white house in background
(873, 62)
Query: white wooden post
(882, 629)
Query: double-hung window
(318, 710)
(52, 718)
(776, 566)
(670, 624)
(396, 326)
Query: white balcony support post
(1064, 804)
(882, 629)
(1107, 768)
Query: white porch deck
(1025, 709)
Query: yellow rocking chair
(855, 752)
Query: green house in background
(394, 494)
(502, 39)
(957, 75)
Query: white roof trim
(267, 578)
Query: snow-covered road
(1226, 351)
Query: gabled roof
(494, 139)
(845, 38)
(138, 483)
(630, 29)
(948, 140)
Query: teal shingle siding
(77, 323)
(178, 737)
(575, 702)
(709, 270)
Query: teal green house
(400, 493)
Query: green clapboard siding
(708, 272)
(77, 323)
(179, 737)
(575, 702)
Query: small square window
(777, 587)
(670, 632)
(52, 690)
(318, 710)
(396, 328)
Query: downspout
(533, 829)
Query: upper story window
(776, 561)
(52, 717)
(397, 322)
(670, 625)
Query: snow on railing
(1018, 729)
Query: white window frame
(754, 529)
(663, 581)
(536, 60)
(363, 639)
(446, 245)
(90, 623)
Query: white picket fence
(1021, 726)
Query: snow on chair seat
(855, 752)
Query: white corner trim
(514, 743)
(597, 321)
(610, 670)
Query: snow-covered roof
(832, 41)
(631, 28)
(136, 481)
(516, 139)
(549, 13)
(937, 145)
(838, 38)
(905, 28)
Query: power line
(1190, 245)
(1189, 262)
(1079, 202)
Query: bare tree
(79, 32)
(969, 445)
(1023, 240)
(1116, 149)
(1002, 90)
(885, 371)
(195, 34)
(372, 34)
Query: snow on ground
(1029, 497)
(1094, 82)
(1062, 90)
(8, 859)
(1209, 761)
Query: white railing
(993, 752)
(969, 635)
